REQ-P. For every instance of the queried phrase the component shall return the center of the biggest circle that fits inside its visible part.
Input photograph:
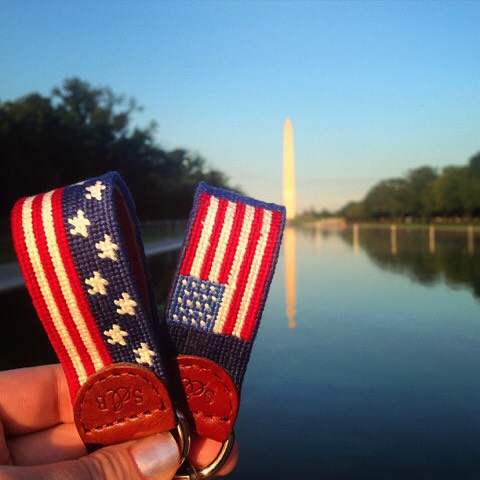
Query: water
(24, 343)
(379, 376)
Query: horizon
(372, 89)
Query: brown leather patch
(211, 396)
(122, 402)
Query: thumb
(151, 458)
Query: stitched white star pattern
(95, 191)
(116, 335)
(126, 305)
(193, 307)
(80, 224)
(97, 283)
(107, 248)
(144, 354)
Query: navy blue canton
(196, 303)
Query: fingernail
(156, 456)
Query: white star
(144, 354)
(126, 305)
(116, 335)
(80, 223)
(97, 283)
(107, 248)
(95, 191)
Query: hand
(39, 441)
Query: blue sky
(373, 89)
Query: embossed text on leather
(122, 402)
(211, 395)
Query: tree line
(423, 193)
(78, 132)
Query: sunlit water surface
(377, 379)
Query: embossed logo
(211, 396)
(114, 400)
(195, 388)
(122, 402)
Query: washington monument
(288, 170)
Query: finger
(54, 444)
(32, 399)
(62, 442)
(203, 452)
(4, 451)
(152, 458)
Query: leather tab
(122, 402)
(211, 396)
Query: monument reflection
(289, 250)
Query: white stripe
(46, 292)
(222, 242)
(204, 242)
(237, 263)
(254, 270)
(64, 281)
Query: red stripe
(215, 237)
(260, 291)
(245, 267)
(38, 300)
(75, 281)
(195, 234)
(232, 243)
(54, 284)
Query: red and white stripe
(49, 270)
(233, 244)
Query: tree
(449, 191)
(389, 198)
(79, 132)
(418, 179)
(474, 165)
(429, 199)
(423, 192)
(353, 211)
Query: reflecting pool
(366, 363)
(376, 374)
